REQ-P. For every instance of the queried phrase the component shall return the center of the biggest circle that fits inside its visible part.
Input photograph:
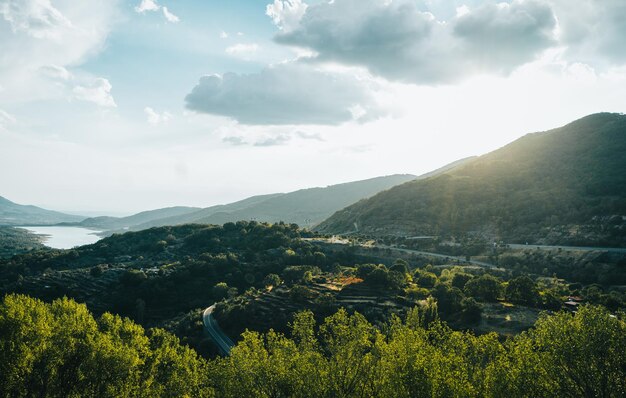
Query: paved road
(210, 324)
(568, 248)
(411, 251)
(439, 255)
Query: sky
(114, 107)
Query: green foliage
(60, 350)
(460, 279)
(17, 241)
(272, 280)
(486, 287)
(566, 355)
(220, 290)
(522, 290)
(424, 278)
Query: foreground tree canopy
(60, 350)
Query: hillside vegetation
(61, 350)
(565, 185)
(17, 241)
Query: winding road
(223, 342)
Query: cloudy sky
(120, 106)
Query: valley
(438, 251)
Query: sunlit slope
(566, 184)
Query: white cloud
(169, 16)
(223, 35)
(98, 92)
(56, 72)
(400, 41)
(309, 136)
(286, 14)
(38, 19)
(289, 93)
(155, 118)
(434, 41)
(153, 6)
(83, 87)
(263, 141)
(592, 31)
(280, 139)
(40, 41)
(147, 5)
(235, 140)
(242, 50)
(6, 119)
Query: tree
(522, 290)
(486, 287)
(60, 350)
(460, 279)
(471, 312)
(220, 291)
(566, 356)
(272, 280)
(401, 266)
(424, 278)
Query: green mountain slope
(566, 185)
(198, 214)
(15, 214)
(303, 207)
(139, 218)
(310, 206)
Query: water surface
(65, 237)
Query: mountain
(199, 214)
(304, 207)
(111, 223)
(566, 185)
(15, 214)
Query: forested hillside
(565, 185)
(17, 241)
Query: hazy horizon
(111, 107)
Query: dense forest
(61, 350)
(563, 186)
(262, 275)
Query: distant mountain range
(113, 223)
(305, 207)
(15, 214)
(564, 185)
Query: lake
(65, 237)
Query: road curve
(210, 324)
